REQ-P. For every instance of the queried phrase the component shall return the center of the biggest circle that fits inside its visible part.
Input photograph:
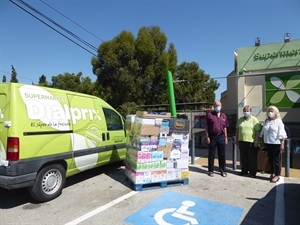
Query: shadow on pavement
(16, 197)
(263, 211)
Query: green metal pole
(171, 94)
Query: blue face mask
(218, 108)
(246, 114)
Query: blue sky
(203, 31)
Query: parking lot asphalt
(284, 195)
(104, 196)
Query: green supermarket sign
(283, 90)
(276, 54)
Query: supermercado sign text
(272, 55)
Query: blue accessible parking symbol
(173, 208)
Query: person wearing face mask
(247, 133)
(216, 138)
(273, 134)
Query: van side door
(116, 135)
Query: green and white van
(48, 134)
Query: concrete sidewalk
(201, 158)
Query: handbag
(263, 162)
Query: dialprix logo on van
(42, 105)
(37, 110)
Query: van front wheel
(49, 183)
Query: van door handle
(108, 137)
(103, 137)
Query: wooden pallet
(161, 184)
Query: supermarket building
(266, 75)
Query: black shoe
(243, 173)
(224, 174)
(211, 174)
(275, 179)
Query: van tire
(49, 183)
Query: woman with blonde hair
(273, 134)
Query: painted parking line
(279, 214)
(173, 208)
(100, 209)
(176, 208)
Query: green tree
(43, 81)
(72, 82)
(4, 79)
(66, 81)
(191, 84)
(13, 75)
(133, 70)
(128, 108)
(87, 86)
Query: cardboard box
(182, 164)
(179, 125)
(173, 174)
(165, 149)
(158, 121)
(185, 174)
(147, 129)
(135, 177)
(170, 164)
(162, 141)
(163, 164)
(185, 153)
(164, 127)
(147, 177)
(175, 154)
(164, 131)
(145, 114)
(145, 121)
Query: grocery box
(165, 149)
(184, 173)
(175, 154)
(179, 125)
(173, 174)
(142, 129)
(182, 164)
(145, 114)
(145, 121)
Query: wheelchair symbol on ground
(172, 208)
(181, 213)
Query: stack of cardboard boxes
(157, 148)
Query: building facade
(266, 75)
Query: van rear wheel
(49, 183)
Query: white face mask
(246, 114)
(217, 108)
(271, 114)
